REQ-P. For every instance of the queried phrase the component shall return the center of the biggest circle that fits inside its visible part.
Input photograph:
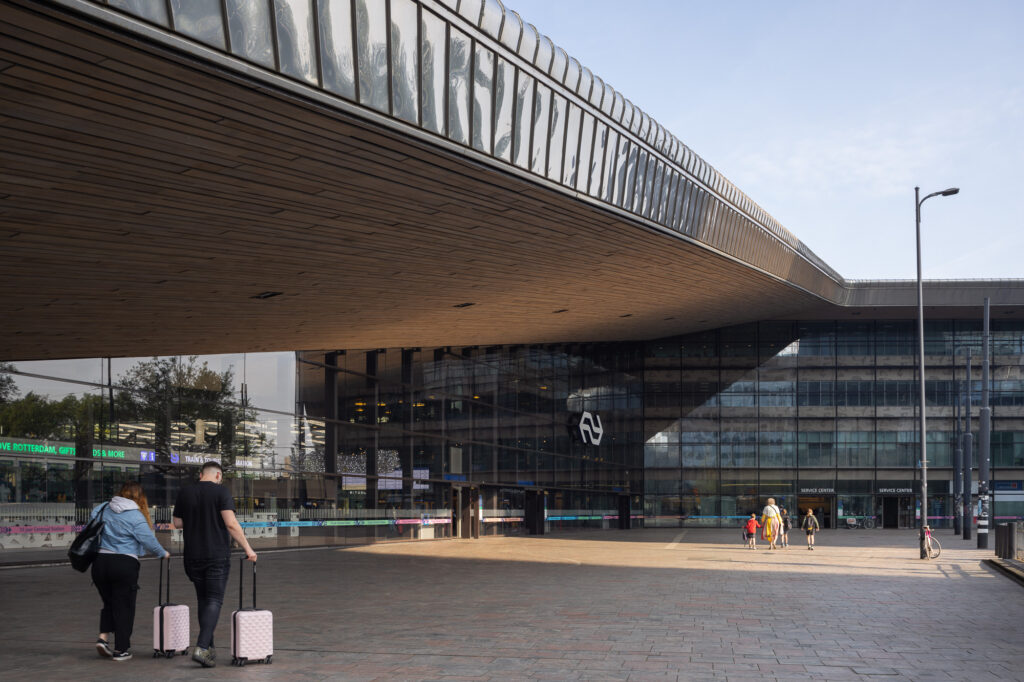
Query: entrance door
(466, 512)
(890, 512)
(533, 507)
(624, 516)
(822, 505)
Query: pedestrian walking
(771, 519)
(127, 534)
(750, 528)
(206, 514)
(810, 525)
(787, 525)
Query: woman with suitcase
(127, 534)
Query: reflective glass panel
(528, 45)
(335, 46)
(504, 101)
(629, 185)
(404, 60)
(638, 187)
(295, 39)
(586, 81)
(483, 70)
(471, 10)
(512, 30)
(557, 134)
(492, 16)
(608, 171)
(199, 19)
(586, 144)
(545, 51)
(524, 119)
(147, 9)
(372, 39)
(597, 158)
(459, 48)
(651, 183)
(572, 142)
(433, 39)
(541, 112)
(621, 165)
(249, 28)
(559, 65)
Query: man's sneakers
(204, 657)
(121, 656)
(103, 648)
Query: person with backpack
(750, 530)
(810, 525)
(127, 534)
(787, 525)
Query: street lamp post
(920, 359)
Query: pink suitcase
(252, 630)
(170, 621)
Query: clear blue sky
(828, 113)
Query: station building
(409, 271)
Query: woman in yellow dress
(771, 518)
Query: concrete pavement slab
(617, 605)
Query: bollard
(1013, 532)
(1001, 540)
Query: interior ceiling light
(463, 305)
(267, 294)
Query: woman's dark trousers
(116, 577)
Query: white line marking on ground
(676, 540)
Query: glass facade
(357, 446)
(331, 447)
(820, 414)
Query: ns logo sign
(588, 427)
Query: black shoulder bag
(87, 543)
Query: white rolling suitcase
(170, 621)
(252, 630)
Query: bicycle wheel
(935, 549)
(869, 522)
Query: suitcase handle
(241, 579)
(160, 587)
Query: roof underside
(150, 198)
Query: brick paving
(660, 604)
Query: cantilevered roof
(420, 173)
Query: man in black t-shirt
(205, 513)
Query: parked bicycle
(931, 545)
(860, 522)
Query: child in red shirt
(751, 527)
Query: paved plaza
(619, 605)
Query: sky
(828, 113)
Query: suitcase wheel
(268, 659)
(171, 654)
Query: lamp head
(950, 192)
